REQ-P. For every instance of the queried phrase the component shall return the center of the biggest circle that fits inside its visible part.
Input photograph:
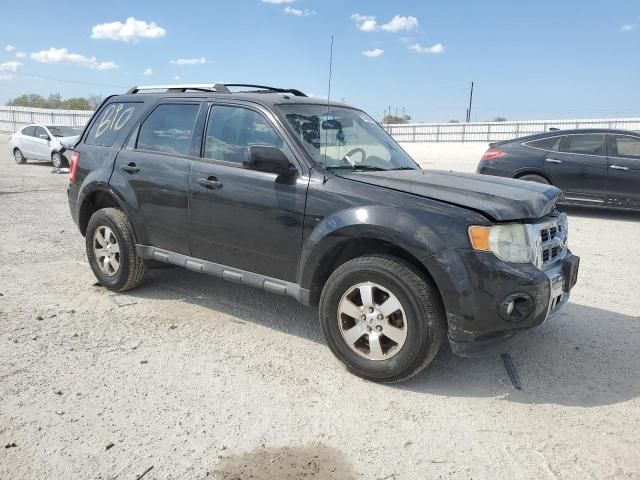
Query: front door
(623, 182)
(243, 218)
(579, 167)
(154, 169)
(41, 141)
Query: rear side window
(624, 146)
(588, 144)
(110, 122)
(544, 143)
(168, 129)
(232, 130)
(29, 131)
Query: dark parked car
(595, 167)
(279, 191)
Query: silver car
(43, 142)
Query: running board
(269, 284)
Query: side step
(269, 284)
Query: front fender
(401, 227)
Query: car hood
(501, 199)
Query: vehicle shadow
(584, 356)
(603, 213)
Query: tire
(110, 226)
(532, 177)
(420, 314)
(19, 157)
(58, 160)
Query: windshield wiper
(358, 168)
(403, 168)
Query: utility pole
(470, 102)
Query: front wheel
(57, 160)
(381, 318)
(111, 250)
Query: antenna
(326, 134)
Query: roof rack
(213, 87)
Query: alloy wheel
(372, 321)
(106, 250)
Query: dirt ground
(191, 377)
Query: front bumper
(475, 300)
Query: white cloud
(277, 2)
(189, 61)
(417, 48)
(21, 55)
(4, 76)
(365, 23)
(376, 52)
(177, 77)
(9, 48)
(10, 66)
(297, 12)
(62, 55)
(147, 71)
(131, 30)
(627, 28)
(399, 23)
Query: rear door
(153, 169)
(579, 167)
(26, 143)
(239, 217)
(41, 142)
(623, 182)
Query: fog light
(516, 307)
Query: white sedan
(43, 142)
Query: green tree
(394, 120)
(499, 119)
(76, 103)
(454, 121)
(54, 101)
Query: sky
(529, 60)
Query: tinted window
(110, 122)
(590, 144)
(40, 131)
(624, 146)
(545, 143)
(232, 130)
(30, 131)
(60, 131)
(168, 129)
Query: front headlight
(508, 242)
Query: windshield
(58, 131)
(345, 138)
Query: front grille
(551, 240)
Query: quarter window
(624, 146)
(232, 130)
(111, 122)
(168, 129)
(588, 144)
(545, 143)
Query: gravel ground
(192, 377)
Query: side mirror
(44, 136)
(269, 159)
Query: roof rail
(212, 87)
(181, 88)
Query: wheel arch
(99, 197)
(533, 171)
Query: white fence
(495, 131)
(13, 119)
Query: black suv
(301, 197)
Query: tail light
(492, 154)
(73, 168)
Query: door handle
(618, 167)
(552, 160)
(210, 182)
(131, 168)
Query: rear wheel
(381, 318)
(111, 250)
(532, 177)
(18, 157)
